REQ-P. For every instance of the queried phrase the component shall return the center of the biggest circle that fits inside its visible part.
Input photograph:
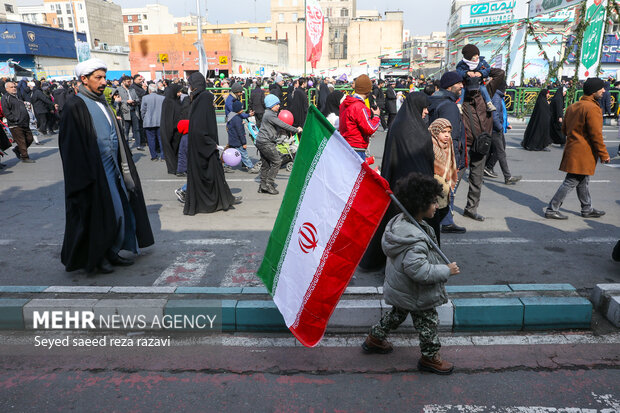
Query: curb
(511, 307)
(606, 299)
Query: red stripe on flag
(366, 208)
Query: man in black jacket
(43, 109)
(377, 91)
(257, 102)
(18, 121)
(276, 88)
(140, 92)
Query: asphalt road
(251, 374)
(515, 244)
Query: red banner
(314, 32)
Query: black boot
(116, 259)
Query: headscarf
(408, 147)
(198, 84)
(332, 103)
(445, 161)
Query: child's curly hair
(417, 192)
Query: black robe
(90, 227)
(556, 107)
(298, 106)
(171, 114)
(332, 103)
(537, 136)
(408, 148)
(207, 190)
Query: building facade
(99, 19)
(256, 31)
(151, 19)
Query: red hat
(183, 126)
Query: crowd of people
(454, 124)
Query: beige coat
(583, 127)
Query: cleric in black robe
(537, 136)
(556, 107)
(408, 148)
(207, 190)
(170, 116)
(105, 209)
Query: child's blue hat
(271, 101)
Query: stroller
(287, 146)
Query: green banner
(593, 38)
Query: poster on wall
(538, 7)
(593, 38)
(83, 51)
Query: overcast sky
(421, 16)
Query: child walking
(236, 135)
(414, 274)
(474, 69)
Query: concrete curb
(511, 307)
(606, 299)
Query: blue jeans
(449, 219)
(245, 158)
(134, 125)
(153, 136)
(182, 160)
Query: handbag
(482, 140)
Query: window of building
(129, 18)
(146, 27)
(344, 12)
(82, 20)
(68, 7)
(9, 8)
(144, 16)
(281, 17)
(268, 38)
(139, 17)
(267, 29)
(79, 6)
(253, 30)
(329, 12)
(294, 17)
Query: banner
(314, 32)
(593, 38)
(538, 7)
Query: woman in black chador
(207, 190)
(408, 148)
(170, 116)
(557, 115)
(537, 136)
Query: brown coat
(583, 127)
(475, 107)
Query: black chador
(171, 114)
(207, 190)
(537, 137)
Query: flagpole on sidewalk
(305, 34)
(412, 219)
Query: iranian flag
(331, 208)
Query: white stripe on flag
(322, 206)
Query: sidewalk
(478, 308)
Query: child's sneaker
(180, 193)
(491, 107)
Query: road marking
(188, 269)
(615, 165)
(214, 241)
(594, 181)
(6, 241)
(182, 180)
(242, 271)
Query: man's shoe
(154, 159)
(253, 170)
(546, 150)
(435, 365)
(28, 160)
(180, 193)
(595, 213)
(471, 215)
(181, 174)
(550, 214)
(116, 259)
(491, 107)
(512, 180)
(2, 165)
(374, 345)
(238, 200)
(140, 148)
(228, 169)
(453, 229)
(268, 190)
(104, 267)
(16, 152)
(489, 172)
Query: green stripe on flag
(317, 131)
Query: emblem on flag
(308, 240)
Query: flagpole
(413, 220)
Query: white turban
(89, 66)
